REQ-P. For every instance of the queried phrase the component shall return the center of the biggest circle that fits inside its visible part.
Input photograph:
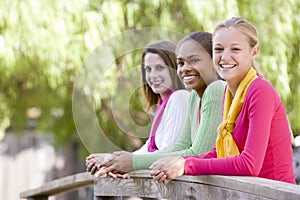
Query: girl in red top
(254, 138)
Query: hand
(104, 170)
(166, 169)
(93, 161)
(119, 163)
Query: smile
(227, 66)
(188, 78)
(156, 83)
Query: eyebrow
(235, 44)
(230, 44)
(189, 57)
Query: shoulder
(216, 85)
(179, 97)
(260, 86)
(262, 92)
(215, 90)
(181, 93)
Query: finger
(102, 171)
(154, 172)
(87, 162)
(162, 178)
(116, 171)
(124, 176)
(94, 169)
(90, 157)
(112, 175)
(166, 182)
(90, 166)
(158, 176)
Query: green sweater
(194, 139)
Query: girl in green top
(195, 68)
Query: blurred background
(44, 44)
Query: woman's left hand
(119, 163)
(166, 169)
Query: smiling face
(158, 75)
(232, 55)
(195, 66)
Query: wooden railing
(186, 187)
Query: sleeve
(260, 112)
(173, 120)
(211, 115)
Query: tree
(45, 44)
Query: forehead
(190, 47)
(153, 58)
(229, 36)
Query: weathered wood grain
(58, 186)
(141, 184)
(196, 187)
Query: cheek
(178, 72)
(168, 78)
(147, 77)
(215, 59)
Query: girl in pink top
(261, 131)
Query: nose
(225, 54)
(153, 73)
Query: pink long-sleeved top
(262, 134)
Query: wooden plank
(189, 187)
(61, 185)
(186, 187)
(174, 190)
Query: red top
(262, 134)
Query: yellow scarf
(225, 144)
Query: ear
(255, 51)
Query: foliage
(44, 44)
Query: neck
(233, 87)
(163, 95)
(200, 92)
(207, 81)
(234, 83)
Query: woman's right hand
(93, 161)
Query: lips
(156, 83)
(227, 66)
(188, 78)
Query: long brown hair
(166, 50)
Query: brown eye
(161, 67)
(180, 63)
(147, 69)
(218, 49)
(194, 61)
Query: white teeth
(156, 82)
(227, 66)
(188, 78)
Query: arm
(259, 108)
(206, 133)
(173, 120)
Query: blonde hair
(245, 27)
